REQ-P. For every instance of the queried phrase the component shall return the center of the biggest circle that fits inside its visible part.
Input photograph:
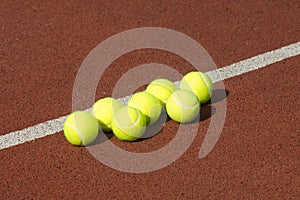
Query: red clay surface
(257, 156)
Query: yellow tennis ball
(103, 111)
(183, 106)
(128, 124)
(80, 128)
(161, 89)
(199, 83)
(147, 104)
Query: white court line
(56, 125)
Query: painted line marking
(56, 125)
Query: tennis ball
(128, 124)
(80, 128)
(183, 106)
(161, 89)
(199, 83)
(103, 111)
(147, 104)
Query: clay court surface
(257, 154)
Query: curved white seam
(162, 85)
(134, 124)
(184, 106)
(206, 84)
(78, 131)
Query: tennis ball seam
(132, 125)
(77, 131)
(205, 82)
(132, 105)
(164, 100)
(164, 86)
(184, 106)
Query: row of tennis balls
(144, 108)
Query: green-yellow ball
(183, 106)
(199, 83)
(128, 124)
(80, 128)
(103, 111)
(147, 104)
(161, 89)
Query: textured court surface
(257, 155)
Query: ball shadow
(154, 129)
(217, 96)
(102, 137)
(206, 112)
